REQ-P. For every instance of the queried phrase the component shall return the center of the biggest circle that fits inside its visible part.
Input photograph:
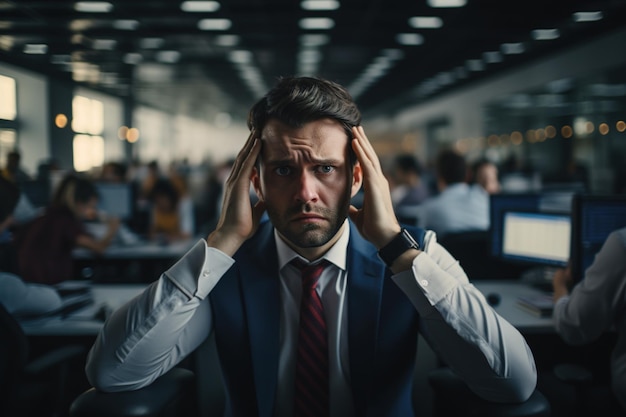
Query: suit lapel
(366, 276)
(259, 275)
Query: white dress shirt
(152, 333)
(598, 304)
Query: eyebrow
(323, 161)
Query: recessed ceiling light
(587, 16)
(319, 4)
(492, 57)
(409, 39)
(447, 3)
(132, 58)
(93, 6)
(240, 57)
(317, 23)
(214, 24)
(314, 39)
(475, 65)
(199, 6)
(545, 34)
(425, 22)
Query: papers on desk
(540, 305)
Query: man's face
(306, 181)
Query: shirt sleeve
(590, 309)
(483, 348)
(156, 330)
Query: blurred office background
(161, 88)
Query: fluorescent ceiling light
(126, 24)
(316, 23)
(393, 53)
(409, 39)
(314, 39)
(447, 3)
(492, 57)
(587, 16)
(132, 58)
(93, 6)
(309, 56)
(214, 24)
(319, 4)
(35, 48)
(104, 44)
(227, 40)
(151, 43)
(168, 57)
(475, 65)
(240, 57)
(512, 48)
(425, 22)
(199, 6)
(545, 34)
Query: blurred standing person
(45, 245)
(485, 173)
(409, 190)
(459, 206)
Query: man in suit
(306, 156)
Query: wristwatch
(398, 245)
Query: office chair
(179, 392)
(32, 386)
(452, 397)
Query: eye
(283, 171)
(326, 169)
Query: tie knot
(310, 272)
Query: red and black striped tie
(311, 385)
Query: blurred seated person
(20, 298)
(459, 206)
(595, 305)
(113, 172)
(171, 214)
(45, 245)
(485, 174)
(13, 170)
(406, 173)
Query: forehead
(324, 135)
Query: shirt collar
(336, 254)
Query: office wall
(32, 110)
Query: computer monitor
(536, 238)
(498, 205)
(594, 217)
(116, 199)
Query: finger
(368, 150)
(243, 153)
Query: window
(8, 104)
(88, 124)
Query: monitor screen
(116, 199)
(500, 203)
(536, 238)
(594, 217)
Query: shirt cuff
(199, 270)
(425, 283)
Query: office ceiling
(163, 54)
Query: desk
(509, 290)
(82, 322)
(141, 262)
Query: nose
(306, 187)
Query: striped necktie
(311, 383)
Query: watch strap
(398, 245)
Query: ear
(255, 177)
(357, 179)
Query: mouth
(308, 218)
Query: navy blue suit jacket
(382, 326)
